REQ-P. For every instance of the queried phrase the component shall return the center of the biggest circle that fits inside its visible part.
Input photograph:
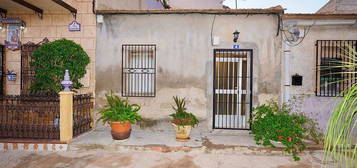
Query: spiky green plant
(118, 109)
(340, 146)
(181, 117)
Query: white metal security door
(232, 88)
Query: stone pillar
(66, 116)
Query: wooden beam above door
(3, 12)
(67, 6)
(38, 10)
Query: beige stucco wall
(196, 4)
(185, 57)
(54, 25)
(127, 4)
(303, 62)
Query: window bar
(334, 70)
(341, 83)
(320, 57)
(141, 79)
(349, 60)
(352, 75)
(122, 72)
(330, 77)
(317, 69)
(146, 66)
(354, 57)
(344, 59)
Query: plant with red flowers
(273, 122)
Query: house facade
(151, 56)
(324, 40)
(38, 22)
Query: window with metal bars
(332, 78)
(138, 70)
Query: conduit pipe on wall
(286, 73)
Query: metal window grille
(232, 88)
(138, 70)
(331, 79)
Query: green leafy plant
(273, 122)
(181, 117)
(52, 59)
(165, 4)
(340, 143)
(120, 110)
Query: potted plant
(120, 115)
(182, 120)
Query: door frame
(3, 76)
(250, 69)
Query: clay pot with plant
(119, 114)
(182, 120)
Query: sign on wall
(13, 41)
(74, 26)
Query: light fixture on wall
(22, 26)
(235, 36)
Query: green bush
(274, 123)
(118, 109)
(52, 59)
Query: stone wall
(54, 25)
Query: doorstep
(37, 145)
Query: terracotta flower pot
(182, 132)
(121, 130)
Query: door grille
(232, 88)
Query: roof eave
(319, 16)
(194, 11)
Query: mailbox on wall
(296, 80)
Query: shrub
(120, 110)
(181, 117)
(276, 123)
(52, 59)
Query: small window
(138, 70)
(330, 77)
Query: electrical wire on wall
(291, 35)
(212, 26)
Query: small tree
(52, 59)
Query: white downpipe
(286, 73)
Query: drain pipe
(286, 73)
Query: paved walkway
(154, 159)
(159, 149)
